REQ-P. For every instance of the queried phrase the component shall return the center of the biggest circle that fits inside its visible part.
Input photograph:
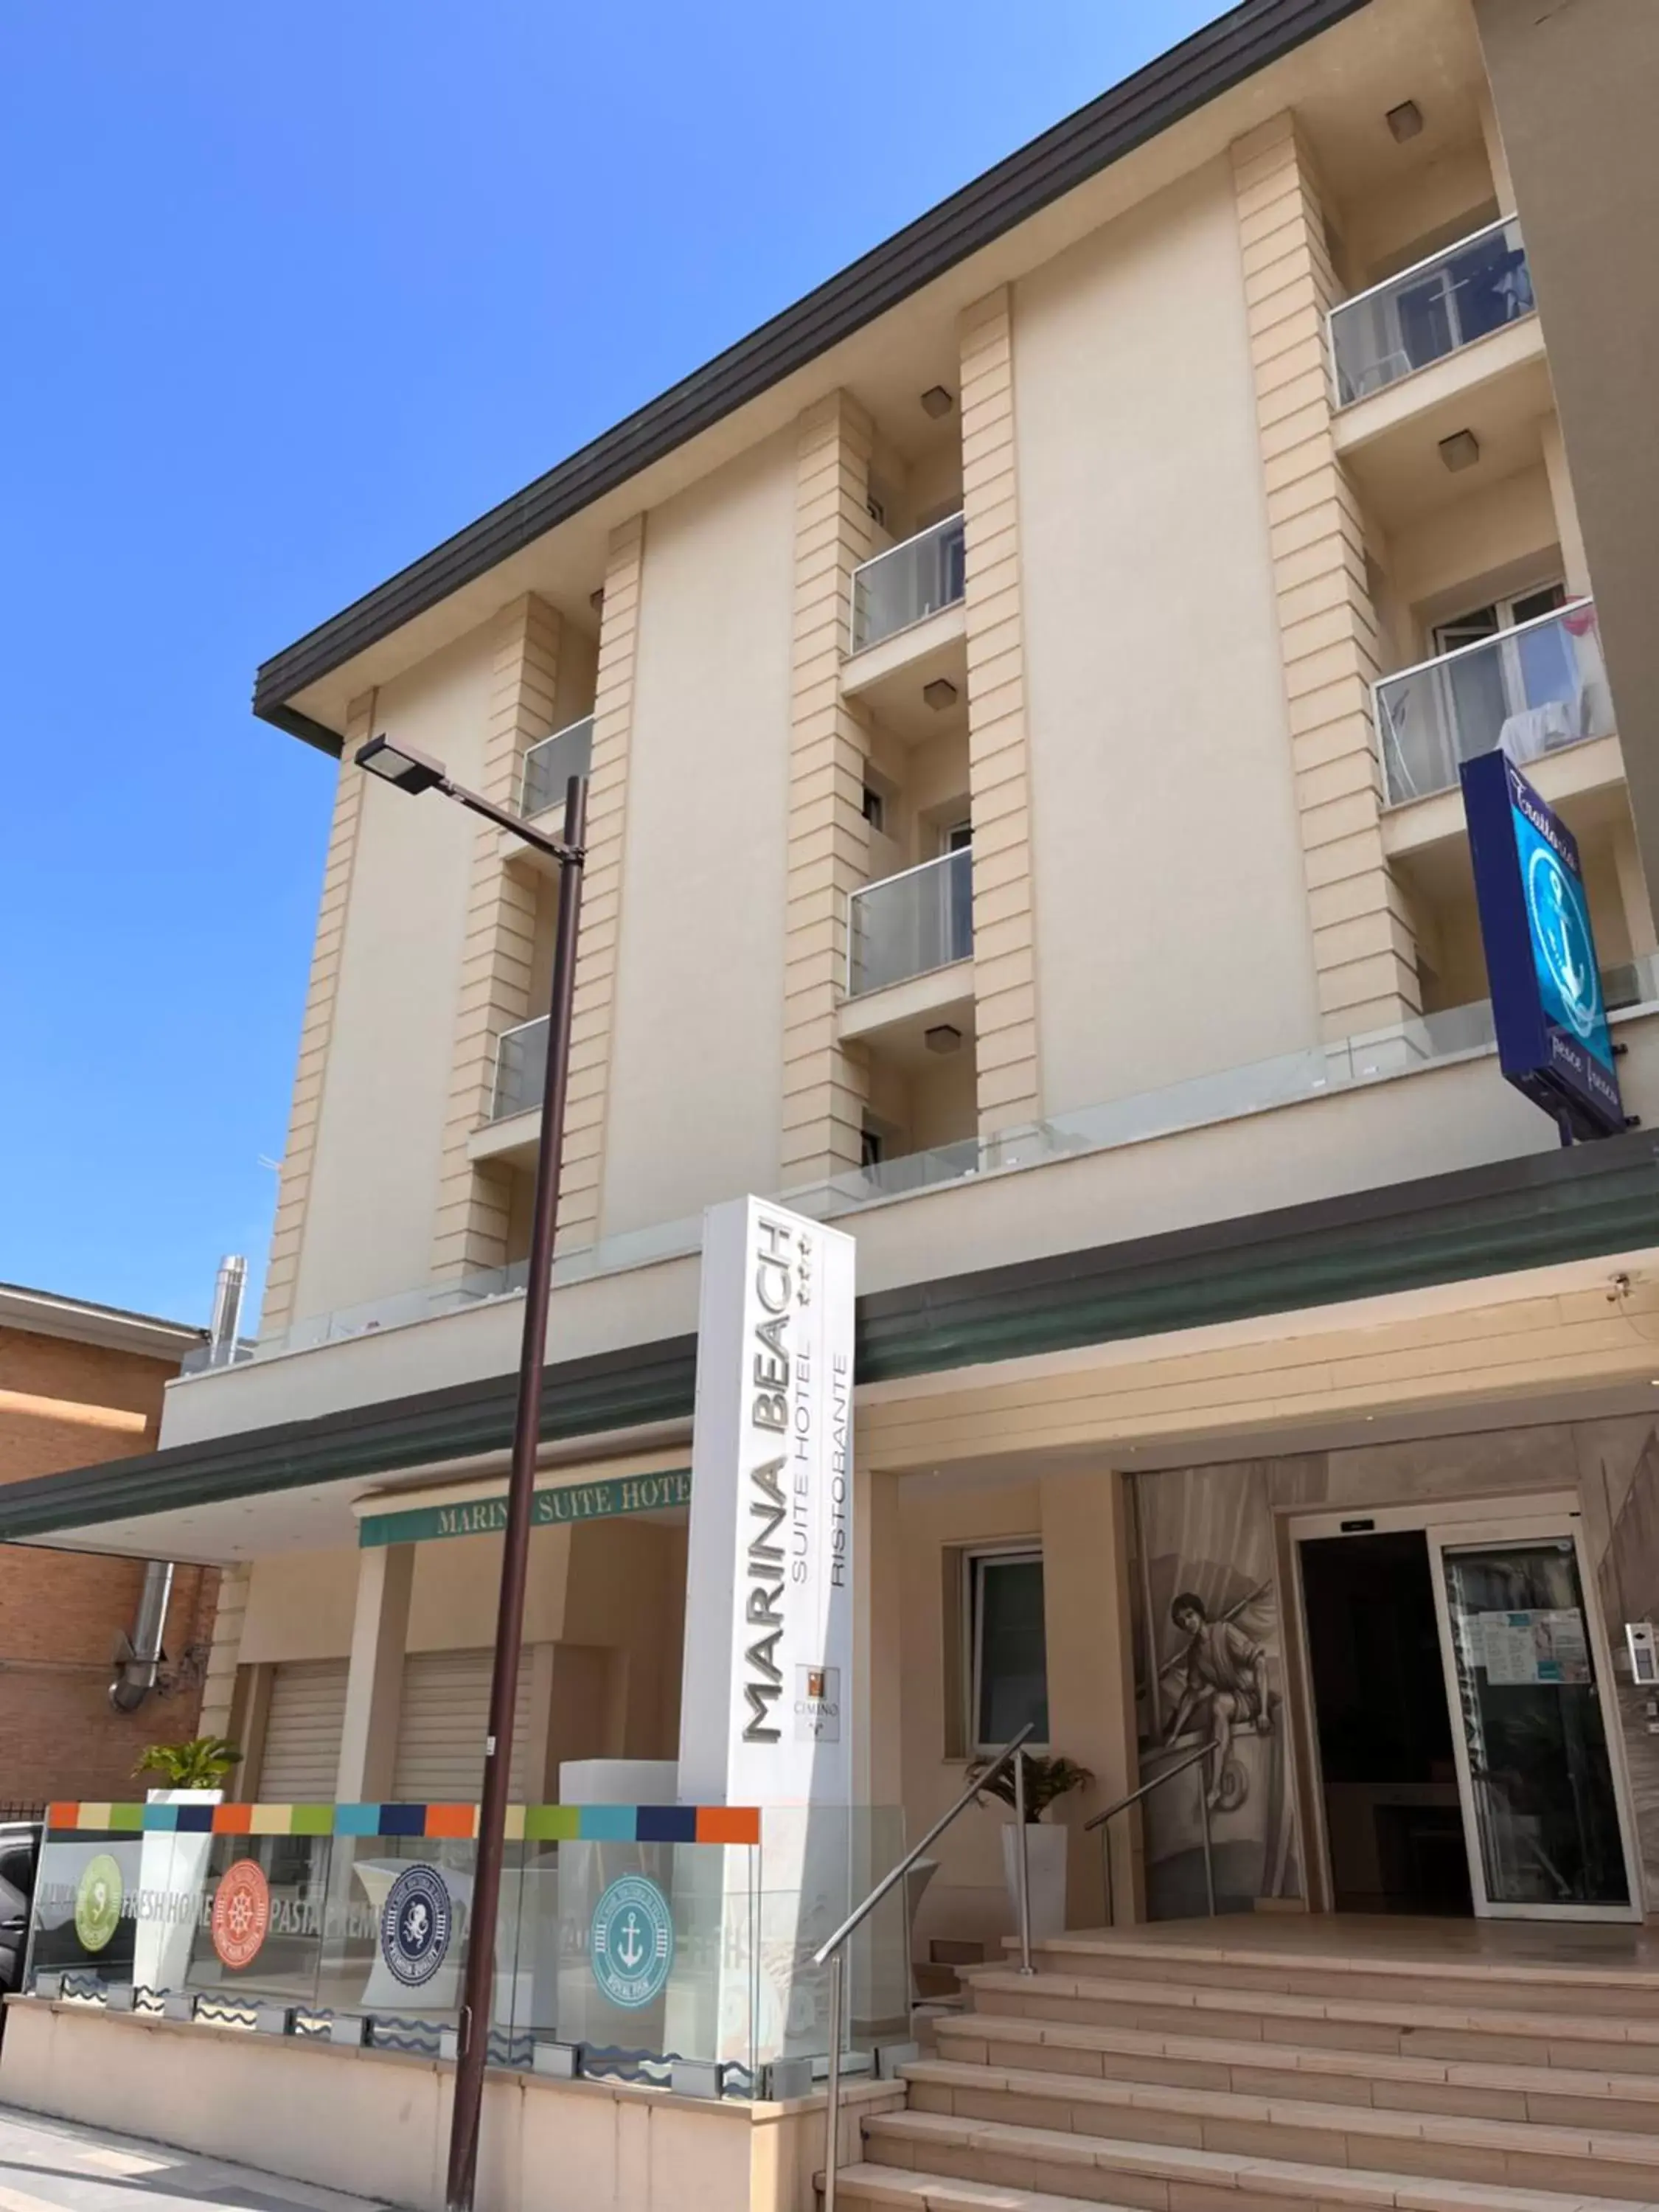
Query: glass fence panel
(549, 766)
(85, 1914)
(1430, 311)
(259, 1926)
(817, 1863)
(653, 1955)
(910, 924)
(908, 583)
(1535, 689)
(520, 1069)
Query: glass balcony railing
(520, 1069)
(549, 766)
(908, 583)
(1534, 689)
(1430, 311)
(908, 925)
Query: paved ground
(56, 2166)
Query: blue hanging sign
(1553, 1040)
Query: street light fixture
(405, 769)
(402, 765)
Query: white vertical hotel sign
(765, 1689)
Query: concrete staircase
(1201, 2077)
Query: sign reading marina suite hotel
(769, 1620)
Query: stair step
(996, 2156)
(933, 2192)
(1451, 2143)
(1556, 2095)
(1624, 1987)
(1626, 2042)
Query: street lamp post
(408, 770)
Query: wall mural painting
(1209, 1675)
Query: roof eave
(1223, 54)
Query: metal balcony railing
(909, 582)
(1429, 311)
(907, 924)
(1533, 689)
(549, 766)
(520, 1069)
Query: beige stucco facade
(1024, 830)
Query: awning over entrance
(1490, 1221)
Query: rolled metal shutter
(300, 1761)
(440, 1727)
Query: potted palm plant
(191, 1773)
(1046, 1779)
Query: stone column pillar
(1364, 955)
(1091, 1697)
(999, 770)
(825, 1086)
(316, 1030)
(474, 1200)
(582, 1184)
(374, 1677)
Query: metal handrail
(903, 545)
(1417, 268)
(1134, 1797)
(1485, 644)
(832, 1953)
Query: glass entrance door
(1532, 1724)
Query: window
(874, 807)
(871, 1148)
(1008, 1669)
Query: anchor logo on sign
(631, 1943)
(630, 1950)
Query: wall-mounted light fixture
(939, 694)
(1460, 451)
(936, 401)
(1405, 121)
(944, 1036)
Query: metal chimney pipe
(226, 1323)
(140, 1660)
(139, 1654)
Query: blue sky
(292, 292)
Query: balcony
(549, 766)
(1536, 689)
(907, 584)
(520, 1069)
(1430, 311)
(910, 924)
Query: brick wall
(65, 1405)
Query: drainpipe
(139, 1654)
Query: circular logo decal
(1557, 921)
(632, 1944)
(415, 1925)
(98, 1902)
(241, 1914)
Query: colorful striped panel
(618, 1824)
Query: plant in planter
(1046, 1779)
(202, 1763)
(176, 1863)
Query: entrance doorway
(1393, 1822)
(1464, 1738)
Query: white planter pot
(171, 1868)
(1045, 1869)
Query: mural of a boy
(1224, 1670)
